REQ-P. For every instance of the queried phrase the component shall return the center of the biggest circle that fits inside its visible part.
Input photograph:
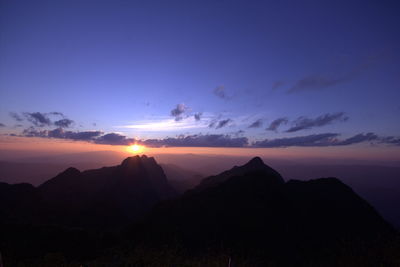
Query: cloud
(57, 113)
(317, 82)
(238, 133)
(277, 84)
(38, 119)
(2, 125)
(220, 92)
(61, 134)
(15, 116)
(114, 139)
(64, 123)
(391, 140)
(303, 123)
(223, 123)
(274, 125)
(197, 116)
(179, 111)
(209, 140)
(316, 140)
(164, 125)
(257, 124)
(358, 139)
(309, 140)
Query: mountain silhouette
(248, 212)
(254, 165)
(250, 209)
(105, 197)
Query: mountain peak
(70, 171)
(256, 161)
(255, 165)
(129, 161)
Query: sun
(135, 149)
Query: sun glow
(135, 149)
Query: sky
(223, 74)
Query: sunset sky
(310, 76)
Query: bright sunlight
(135, 149)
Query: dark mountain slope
(106, 197)
(254, 165)
(258, 214)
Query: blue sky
(123, 66)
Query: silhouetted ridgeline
(248, 214)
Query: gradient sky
(158, 69)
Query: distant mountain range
(247, 211)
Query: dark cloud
(61, 134)
(238, 133)
(83, 136)
(257, 124)
(391, 140)
(316, 140)
(309, 140)
(64, 123)
(274, 125)
(316, 82)
(38, 119)
(15, 116)
(114, 139)
(178, 111)
(57, 113)
(223, 123)
(319, 82)
(220, 92)
(209, 140)
(359, 138)
(303, 123)
(197, 116)
(277, 84)
(2, 125)
(32, 132)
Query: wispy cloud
(212, 140)
(163, 125)
(220, 92)
(317, 140)
(256, 124)
(64, 123)
(40, 119)
(15, 116)
(199, 140)
(274, 125)
(277, 84)
(302, 123)
(317, 82)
